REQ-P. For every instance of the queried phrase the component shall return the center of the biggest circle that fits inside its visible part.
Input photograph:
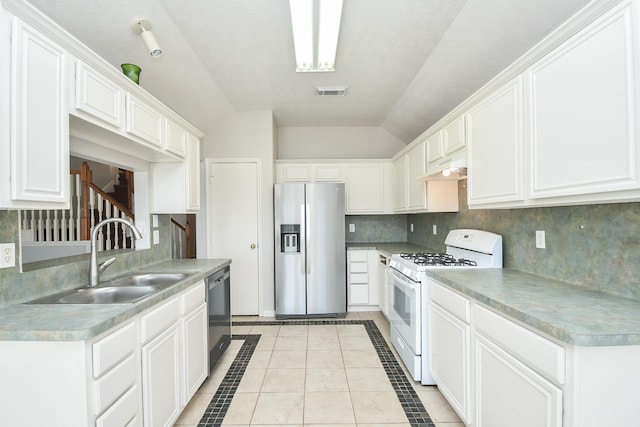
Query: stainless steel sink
(120, 290)
(143, 279)
(100, 295)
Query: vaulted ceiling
(406, 62)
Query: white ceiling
(406, 62)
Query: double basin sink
(120, 290)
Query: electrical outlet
(540, 239)
(435, 229)
(154, 221)
(156, 237)
(7, 255)
(352, 228)
(411, 227)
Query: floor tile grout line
(415, 411)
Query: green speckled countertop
(72, 322)
(569, 313)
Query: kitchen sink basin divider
(89, 205)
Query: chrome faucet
(94, 268)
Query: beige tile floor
(316, 375)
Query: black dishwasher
(219, 307)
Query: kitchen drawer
(358, 294)
(115, 383)
(192, 298)
(358, 267)
(113, 348)
(358, 278)
(542, 355)
(357, 256)
(158, 320)
(452, 302)
(123, 411)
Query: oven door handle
(402, 279)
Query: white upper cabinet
(400, 181)
(446, 146)
(368, 184)
(97, 96)
(176, 186)
(435, 148)
(143, 121)
(454, 136)
(583, 111)
(364, 188)
(565, 130)
(37, 152)
(176, 138)
(416, 189)
(495, 133)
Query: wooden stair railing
(89, 205)
(180, 239)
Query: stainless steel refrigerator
(309, 250)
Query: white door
(233, 229)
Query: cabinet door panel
(435, 148)
(143, 121)
(192, 164)
(495, 147)
(417, 189)
(98, 96)
(449, 358)
(583, 112)
(39, 123)
(161, 379)
(510, 394)
(364, 188)
(176, 138)
(195, 351)
(400, 184)
(454, 136)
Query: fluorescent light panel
(316, 26)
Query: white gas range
(465, 248)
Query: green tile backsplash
(19, 287)
(593, 246)
(376, 228)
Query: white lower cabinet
(492, 371)
(449, 342)
(141, 373)
(509, 393)
(362, 286)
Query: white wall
(361, 142)
(251, 134)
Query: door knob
(253, 246)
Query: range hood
(449, 168)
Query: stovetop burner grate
(437, 259)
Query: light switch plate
(7, 255)
(156, 237)
(352, 228)
(540, 239)
(154, 220)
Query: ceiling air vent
(331, 90)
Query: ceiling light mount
(316, 27)
(143, 28)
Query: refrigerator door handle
(303, 240)
(308, 240)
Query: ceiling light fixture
(316, 26)
(143, 27)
